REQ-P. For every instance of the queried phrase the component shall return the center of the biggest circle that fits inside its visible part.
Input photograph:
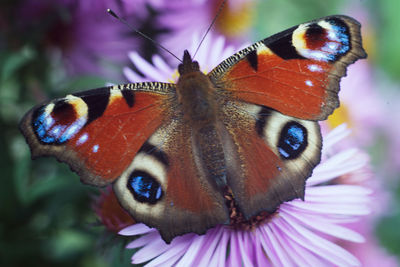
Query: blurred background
(52, 48)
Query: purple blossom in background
(392, 127)
(183, 18)
(211, 53)
(85, 37)
(358, 92)
(365, 108)
(361, 104)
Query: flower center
(339, 116)
(235, 21)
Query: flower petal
(320, 246)
(334, 230)
(136, 229)
(143, 240)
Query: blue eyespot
(339, 40)
(41, 124)
(58, 125)
(144, 187)
(292, 141)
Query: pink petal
(338, 190)
(302, 254)
(162, 67)
(261, 258)
(153, 249)
(327, 228)
(280, 258)
(144, 240)
(195, 245)
(346, 209)
(329, 169)
(219, 258)
(133, 76)
(288, 248)
(171, 261)
(335, 136)
(216, 51)
(208, 251)
(246, 261)
(320, 246)
(144, 67)
(136, 229)
(234, 254)
(176, 250)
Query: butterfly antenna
(221, 6)
(112, 13)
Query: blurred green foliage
(45, 212)
(388, 227)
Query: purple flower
(81, 33)
(301, 233)
(183, 18)
(211, 53)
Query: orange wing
(97, 132)
(296, 72)
(271, 156)
(167, 187)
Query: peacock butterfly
(174, 152)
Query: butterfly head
(195, 92)
(188, 65)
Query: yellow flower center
(340, 115)
(174, 77)
(235, 21)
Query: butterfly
(175, 153)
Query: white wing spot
(82, 139)
(95, 148)
(314, 68)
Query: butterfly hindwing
(166, 187)
(272, 154)
(97, 132)
(297, 71)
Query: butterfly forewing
(297, 71)
(98, 132)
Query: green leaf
(388, 232)
(15, 61)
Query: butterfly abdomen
(209, 149)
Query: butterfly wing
(133, 135)
(277, 88)
(297, 71)
(166, 186)
(271, 155)
(97, 132)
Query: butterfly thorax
(196, 93)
